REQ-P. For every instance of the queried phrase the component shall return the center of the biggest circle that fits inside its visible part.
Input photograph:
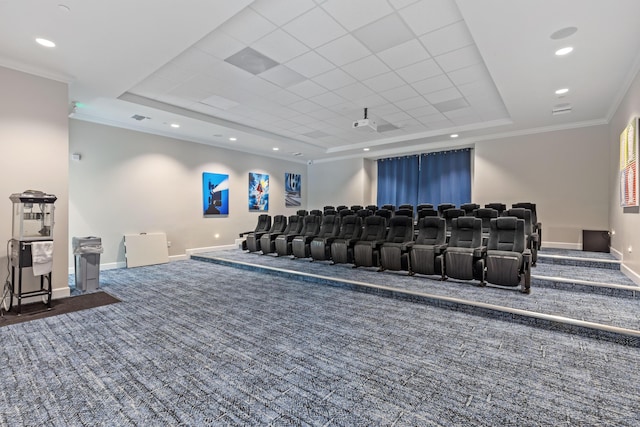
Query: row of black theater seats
(501, 257)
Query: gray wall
(132, 182)
(340, 182)
(625, 223)
(34, 141)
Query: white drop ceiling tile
(259, 86)
(385, 33)
(219, 102)
(342, 122)
(264, 117)
(310, 64)
(422, 111)
(461, 112)
(283, 76)
(384, 82)
(425, 16)
(348, 108)
(334, 79)
(404, 54)
(307, 89)
(280, 46)
(354, 14)
(443, 124)
(315, 28)
(343, 50)
(370, 101)
(384, 110)
(305, 106)
(397, 117)
(451, 37)
(301, 130)
(153, 85)
(412, 103)
(400, 4)
(328, 99)
(432, 84)
(460, 58)
(283, 124)
(399, 93)
(302, 119)
(323, 114)
(443, 95)
(193, 89)
(220, 45)
(281, 11)
(473, 73)
(284, 97)
(431, 118)
(247, 26)
(420, 71)
(354, 91)
(366, 68)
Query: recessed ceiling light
(365, 149)
(45, 42)
(175, 125)
(454, 135)
(233, 139)
(564, 51)
(275, 148)
(562, 91)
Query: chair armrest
(480, 252)
(244, 233)
(439, 249)
(407, 246)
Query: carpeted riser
(440, 303)
(579, 262)
(579, 287)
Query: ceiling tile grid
(327, 61)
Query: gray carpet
(195, 343)
(604, 306)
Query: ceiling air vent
(561, 109)
(139, 118)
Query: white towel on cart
(41, 257)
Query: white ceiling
(424, 68)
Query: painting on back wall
(292, 190)
(258, 192)
(215, 194)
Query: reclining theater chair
(464, 256)
(320, 246)
(342, 246)
(468, 208)
(310, 227)
(254, 239)
(425, 255)
(394, 252)
(301, 245)
(263, 225)
(530, 236)
(485, 215)
(508, 262)
(537, 226)
(366, 251)
(268, 241)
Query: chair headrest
(506, 223)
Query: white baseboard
(183, 257)
(562, 245)
(635, 277)
(210, 249)
(616, 254)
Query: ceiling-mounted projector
(365, 123)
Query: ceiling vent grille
(561, 109)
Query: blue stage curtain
(398, 180)
(445, 177)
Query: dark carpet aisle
(195, 343)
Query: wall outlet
(168, 244)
